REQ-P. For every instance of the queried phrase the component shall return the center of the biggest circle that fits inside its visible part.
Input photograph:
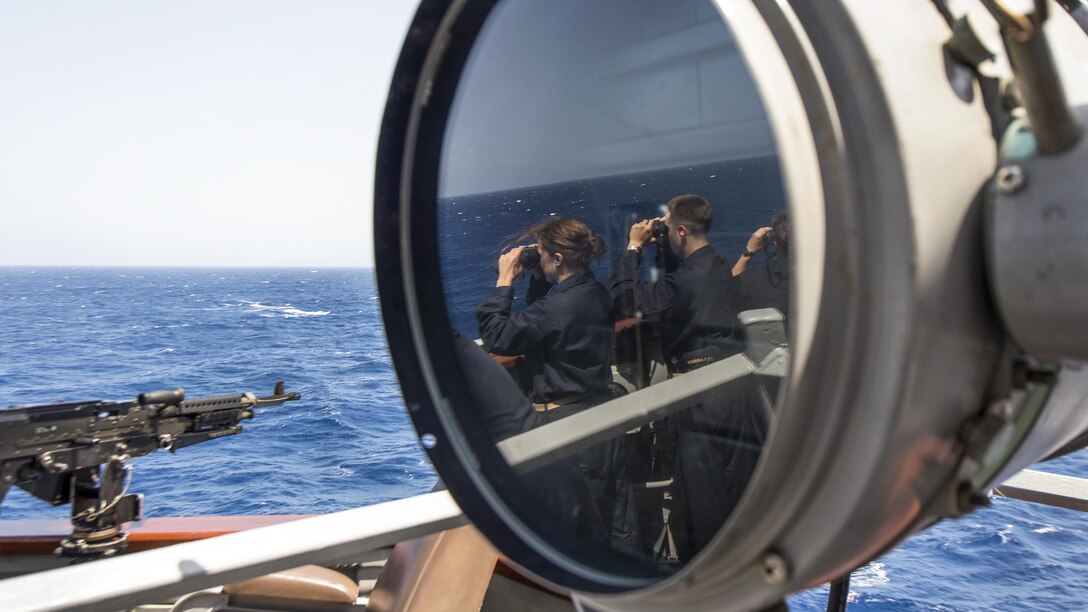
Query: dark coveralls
(566, 335)
(766, 287)
(718, 442)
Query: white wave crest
(872, 575)
(1005, 533)
(287, 311)
(1047, 529)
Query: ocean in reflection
(473, 229)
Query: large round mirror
(611, 220)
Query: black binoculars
(659, 231)
(664, 258)
(529, 258)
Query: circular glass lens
(615, 252)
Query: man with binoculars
(715, 444)
(694, 305)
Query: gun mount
(80, 453)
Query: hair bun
(598, 247)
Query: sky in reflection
(567, 90)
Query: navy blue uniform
(766, 287)
(716, 444)
(694, 306)
(566, 336)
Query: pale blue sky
(192, 132)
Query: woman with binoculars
(566, 331)
(566, 335)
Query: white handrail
(145, 577)
(566, 436)
(1056, 490)
(577, 432)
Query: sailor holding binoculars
(717, 443)
(695, 306)
(566, 332)
(566, 335)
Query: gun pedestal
(100, 507)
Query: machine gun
(79, 453)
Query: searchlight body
(927, 154)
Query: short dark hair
(691, 211)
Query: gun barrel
(243, 400)
(276, 400)
(218, 402)
(278, 396)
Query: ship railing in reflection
(585, 429)
(766, 356)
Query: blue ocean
(110, 333)
(78, 333)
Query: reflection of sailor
(565, 334)
(718, 442)
(695, 306)
(769, 286)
